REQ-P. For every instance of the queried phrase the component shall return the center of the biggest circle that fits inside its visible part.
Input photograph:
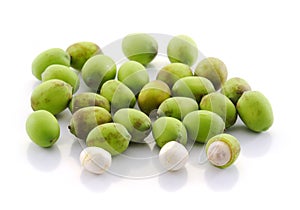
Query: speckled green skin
(64, 73)
(233, 144)
(173, 72)
(87, 99)
(113, 137)
(97, 70)
(255, 111)
(221, 105)
(80, 52)
(140, 47)
(201, 125)
(137, 123)
(152, 95)
(42, 128)
(133, 75)
(192, 87)
(234, 88)
(182, 49)
(166, 129)
(214, 70)
(177, 107)
(53, 96)
(87, 118)
(47, 58)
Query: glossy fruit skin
(221, 105)
(42, 128)
(47, 58)
(113, 137)
(166, 129)
(182, 49)
(214, 70)
(201, 125)
(85, 119)
(64, 73)
(234, 88)
(52, 95)
(97, 70)
(140, 47)
(255, 111)
(80, 52)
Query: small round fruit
(52, 95)
(234, 88)
(95, 160)
(173, 156)
(182, 49)
(222, 150)
(42, 128)
(47, 58)
(255, 111)
(214, 70)
(140, 47)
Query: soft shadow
(173, 181)
(76, 148)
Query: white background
(258, 40)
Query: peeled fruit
(152, 95)
(133, 75)
(166, 129)
(201, 125)
(52, 95)
(182, 49)
(85, 119)
(80, 52)
(86, 99)
(97, 70)
(214, 70)
(177, 107)
(64, 73)
(192, 87)
(113, 137)
(221, 105)
(173, 72)
(42, 128)
(140, 47)
(255, 111)
(234, 88)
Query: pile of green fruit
(181, 105)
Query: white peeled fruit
(173, 156)
(95, 160)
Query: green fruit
(53, 96)
(42, 128)
(222, 150)
(118, 94)
(97, 70)
(192, 87)
(177, 107)
(152, 95)
(64, 73)
(221, 105)
(166, 129)
(214, 70)
(136, 122)
(133, 75)
(140, 47)
(173, 72)
(201, 125)
(87, 99)
(234, 88)
(47, 58)
(255, 111)
(87, 118)
(113, 137)
(182, 49)
(80, 52)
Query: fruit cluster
(181, 105)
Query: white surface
(258, 40)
